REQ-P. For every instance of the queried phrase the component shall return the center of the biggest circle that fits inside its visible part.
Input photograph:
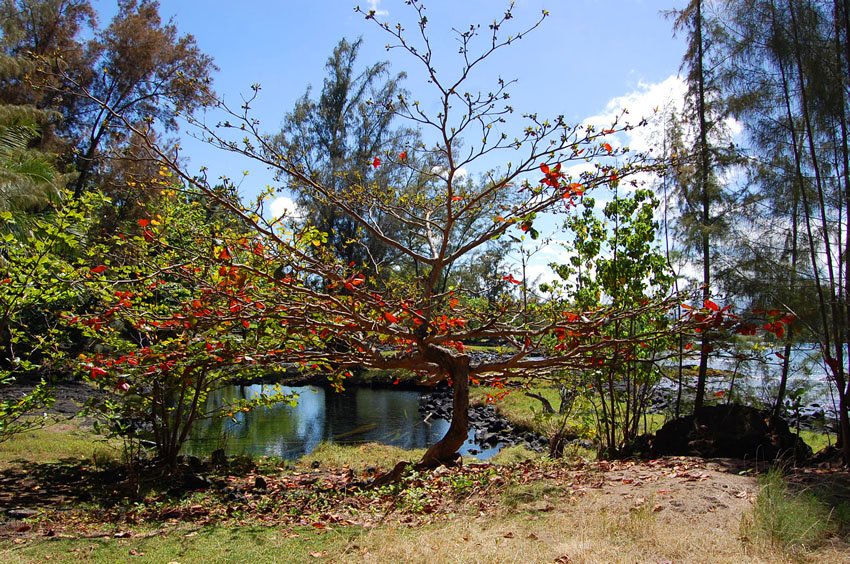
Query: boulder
(729, 431)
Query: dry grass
(588, 529)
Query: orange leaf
(607, 147)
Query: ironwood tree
(785, 75)
(137, 65)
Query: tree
(179, 318)
(616, 264)
(36, 33)
(138, 67)
(704, 206)
(786, 78)
(42, 280)
(335, 139)
(416, 322)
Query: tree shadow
(54, 485)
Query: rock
(218, 458)
(729, 431)
(21, 513)
(195, 482)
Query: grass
(815, 439)
(521, 410)
(583, 529)
(527, 413)
(794, 521)
(66, 439)
(528, 521)
(209, 544)
(358, 457)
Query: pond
(355, 416)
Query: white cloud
(282, 205)
(649, 102)
(441, 171)
(373, 7)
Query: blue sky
(588, 58)
(585, 54)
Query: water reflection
(355, 416)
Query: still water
(358, 415)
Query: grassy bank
(527, 412)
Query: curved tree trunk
(444, 451)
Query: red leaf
(100, 269)
(246, 324)
(96, 371)
(708, 304)
(607, 147)
(390, 317)
(224, 254)
(457, 198)
(510, 278)
(376, 162)
(144, 222)
(402, 156)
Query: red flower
(553, 175)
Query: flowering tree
(182, 309)
(343, 315)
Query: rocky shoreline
(491, 429)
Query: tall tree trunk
(705, 164)
(841, 14)
(836, 362)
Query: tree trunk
(444, 451)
